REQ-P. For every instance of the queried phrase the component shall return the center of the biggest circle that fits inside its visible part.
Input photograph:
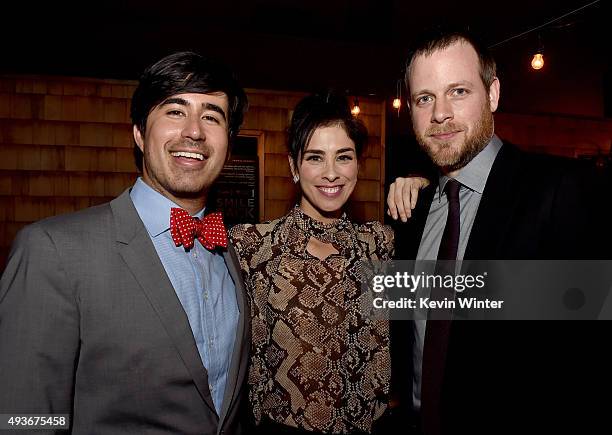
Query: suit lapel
(237, 371)
(138, 252)
(497, 206)
(407, 241)
(408, 235)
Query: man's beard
(449, 158)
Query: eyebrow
(184, 102)
(460, 83)
(321, 152)
(175, 100)
(345, 150)
(450, 86)
(214, 108)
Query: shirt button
(205, 296)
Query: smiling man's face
(451, 110)
(185, 146)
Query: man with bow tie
(130, 317)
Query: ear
(138, 138)
(494, 94)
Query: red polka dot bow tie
(209, 230)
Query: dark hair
(323, 110)
(185, 72)
(440, 38)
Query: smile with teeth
(188, 155)
(330, 190)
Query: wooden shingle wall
(66, 144)
(560, 135)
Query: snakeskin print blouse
(317, 363)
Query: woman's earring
(296, 178)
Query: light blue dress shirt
(202, 283)
(473, 178)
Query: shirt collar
(474, 175)
(153, 208)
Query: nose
(442, 111)
(330, 173)
(192, 128)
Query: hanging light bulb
(538, 58)
(355, 110)
(397, 102)
(538, 61)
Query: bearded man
(491, 201)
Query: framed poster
(236, 192)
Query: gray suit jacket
(91, 326)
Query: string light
(538, 61)
(355, 110)
(397, 102)
(554, 20)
